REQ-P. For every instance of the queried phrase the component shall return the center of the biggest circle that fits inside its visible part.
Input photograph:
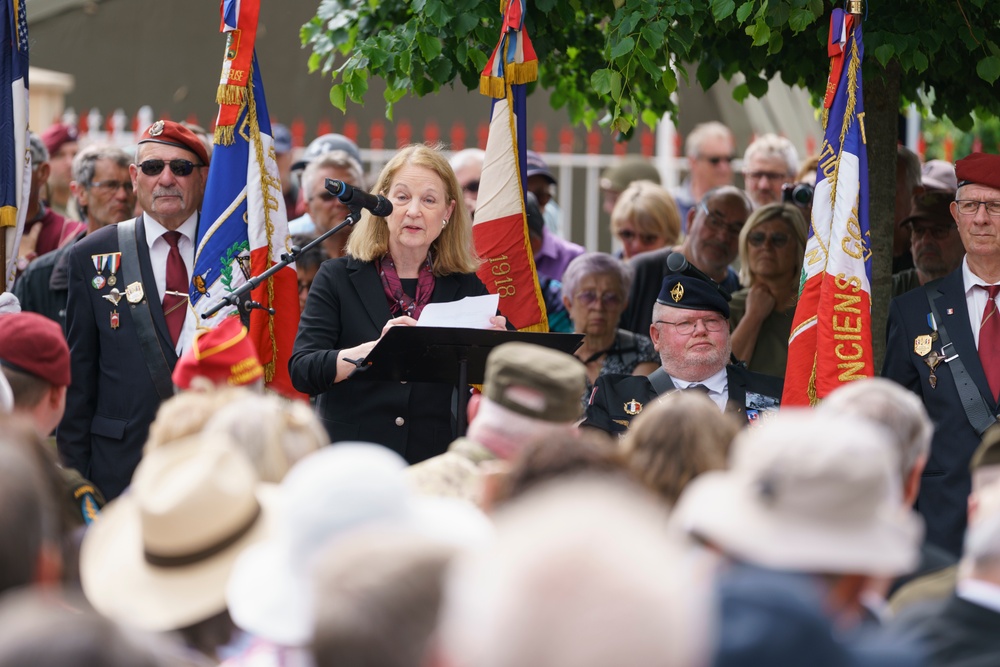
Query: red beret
(980, 168)
(34, 344)
(225, 355)
(57, 135)
(174, 134)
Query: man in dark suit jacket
(690, 330)
(918, 357)
(123, 343)
(711, 245)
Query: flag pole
(856, 7)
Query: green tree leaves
(617, 62)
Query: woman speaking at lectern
(419, 253)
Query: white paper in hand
(472, 312)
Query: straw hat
(160, 555)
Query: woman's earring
(444, 223)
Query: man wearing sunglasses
(468, 166)
(768, 163)
(943, 343)
(710, 150)
(711, 245)
(690, 330)
(127, 315)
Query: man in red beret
(60, 141)
(944, 344)
(34, 359)
(127, 317)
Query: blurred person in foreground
(690, 331)
(583, 573)
(903, 415)
(645, 218)
(103, 188)
(961, 629)
(222, 356)
(678, 437)
(161, 555)
(711, 245)
(710, 150)
(529, 393)
(812, 511)
(378, 600)
(421, 253)
(328, 499)
(772, 247)
(595, 292)
(54, 630)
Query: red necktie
(177, 281)
(989, 340)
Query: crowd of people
(644, 499)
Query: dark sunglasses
(472, 187)
(608, 299)
(716, 159)
(757, 239)
(178, 167)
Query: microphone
(355, 196)
(678, 263)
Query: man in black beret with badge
(127, 316)
(690, 330)
(943, 343)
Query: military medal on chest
(99, 280)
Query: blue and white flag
(15, 161)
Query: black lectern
(453, 356)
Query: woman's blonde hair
(677, 438)
(790, 215)
(451, 251)
(650, 208)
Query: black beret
(682, 291)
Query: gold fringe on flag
(492, 86)
(518, 73)
(224, 135)
(230, 94)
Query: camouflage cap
(535, 381)
(628, 169)
(988, 452)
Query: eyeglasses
(970, 207)
(777, 239)
(939, 232)
(472, 187)
(178, 167)
(687, 327)
(716, 223)
(608, 299)
(769, 175)
(716, 159)
(110, 187)
(627, 235)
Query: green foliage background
(618, 62)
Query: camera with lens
(800, 194)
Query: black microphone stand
(287, 258)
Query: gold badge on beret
(134, 292)
(633, 407)
(677, 293)
(156, 129)
(922, 345)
